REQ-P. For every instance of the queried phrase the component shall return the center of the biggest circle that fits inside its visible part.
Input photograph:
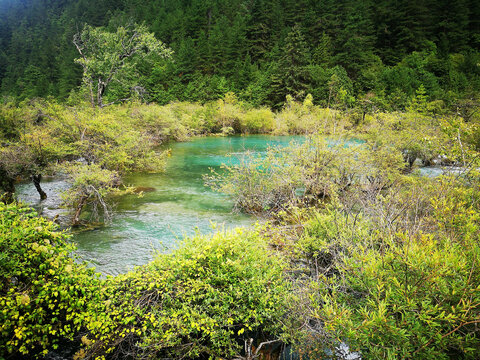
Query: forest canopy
(261, 50)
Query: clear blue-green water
(178, 206)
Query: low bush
(257, 121)
(44, 292)
(206, 299)
(203, 300)
(410, 291)
(303, 174)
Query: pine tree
(355, 41)
(323, 52)
(452, 25)
(292, 72)
(259, 30)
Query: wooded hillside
(260, 49)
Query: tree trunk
(36, 181)
(78, 211)
(92, 98)
(100, 91)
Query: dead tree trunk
(36, 181)
(252, 353)
(78, 211)
(100, 91)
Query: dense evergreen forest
(261, 50)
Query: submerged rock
(140, 189)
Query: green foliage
(291, 77)
(43, 290)
(57, 138)
(404, 294)
(12, 120)
(107, 58)
(257, 121)
(388, 48)
(322, 54)
(463, 138)
(306, 118)
(33, 153)
(301, 175)
(419, 101)
(202, 300)
(90, 185)
(414, 135)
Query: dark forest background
(261, 50)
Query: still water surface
(178, 206)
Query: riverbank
(348, 272)
(107, 155)
(357, 248)
(97, 148)
(173, 204)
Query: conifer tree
(323, 52)
(292, 69)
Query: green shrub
(257, 121)
(204, 299)
(13, 118)
(303, 174)
(227, 115)
(90, 186)
(416, 136)
(43, 291)
(298, 118)
(390, 293)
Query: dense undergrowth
(201, 301)
(95, 147)
(44, 292)
(361, 249)
(398, 280)
(394, 273)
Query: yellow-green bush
(257, 121)
(13, 119)
(203, 300)
(394, 291)
(227, 115)
(304, 174)
(415, 135)
(306, 118)
(43, 291)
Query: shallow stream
(178, 203)
(174, 204)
